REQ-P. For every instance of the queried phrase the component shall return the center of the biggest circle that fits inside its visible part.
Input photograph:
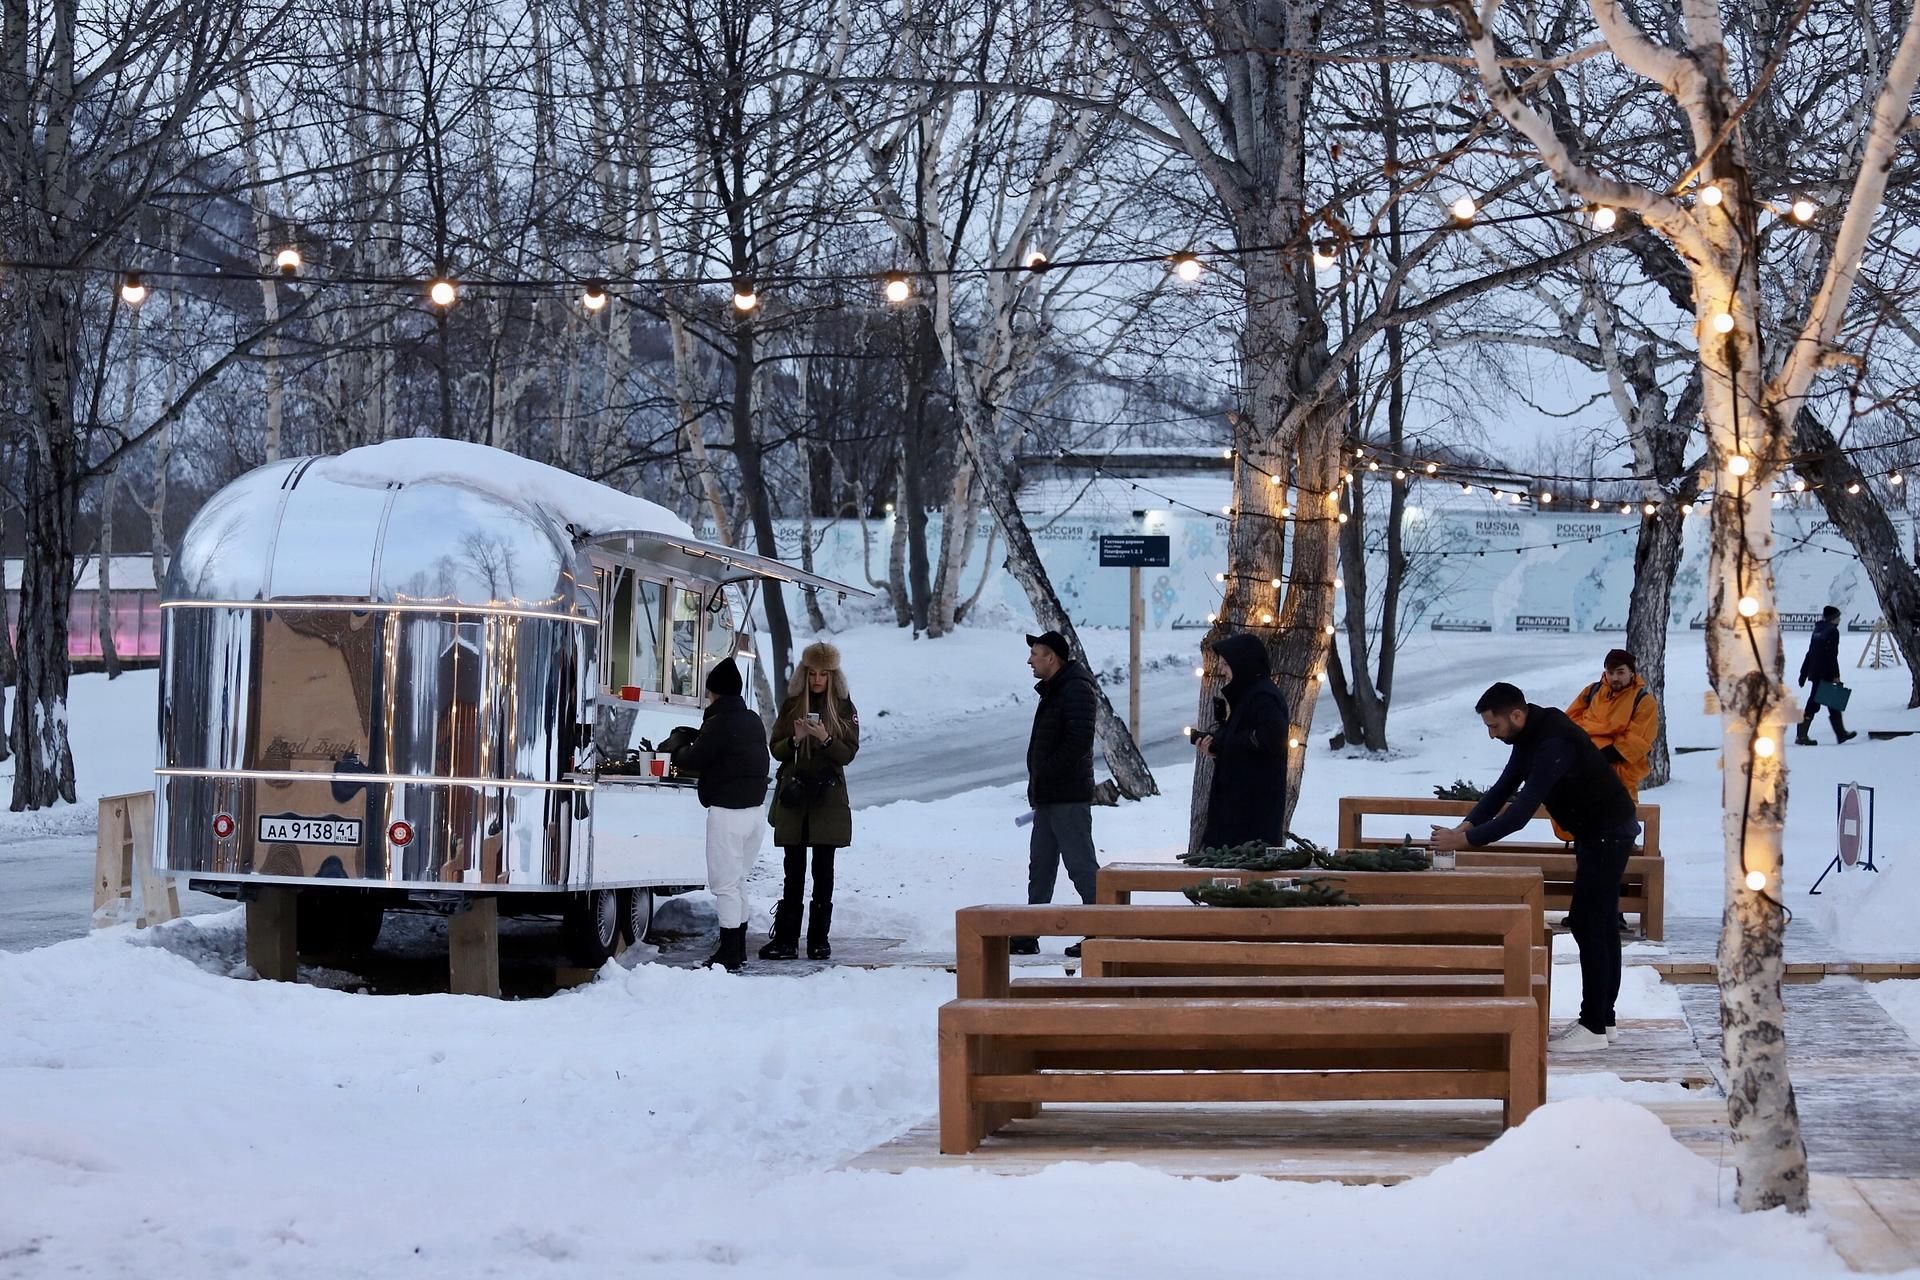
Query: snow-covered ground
(163, 1118)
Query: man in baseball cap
(1059, 775)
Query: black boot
(1840, 733)
(1800, 738)
(819, 925)
(732, 952)
(783, 942)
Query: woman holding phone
(814, 737)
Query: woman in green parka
(815, 736)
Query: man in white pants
(730, 755)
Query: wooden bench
(1643, 885)
(1307, 1037)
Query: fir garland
(1401, 857)
(1262, 893)
(1459, 789)
(1296, 855)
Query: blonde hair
(835, 704)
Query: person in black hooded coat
(1248, 799)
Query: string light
(1593, 505)
(1686, 508)
(1464, 209)
(1738, 465)
(1763, 747)
(1756, 880)
(1799, 485)
(132, 292)
(1465, 487)
(1804, 209)
(1648, 509)
(1894, 479)
(1748, 606)
(1329, 628)
(1626, 508)
(1227, 454)
(1186, 266)
(1276, 584)
(288, 260)
(1034, 261)
(1323, 255)
(1267, 619)
(1399, 474)
(1339, 584)
(1710, 196)
(594, 296)
(744, 298)
(1604, 218)
(1343, 517)
(1374, 465)
(1274, 480)
(1723, 322)
(897, 289)
(1433, 468)
(1546, 497)
(1854, 487)
(442, 292)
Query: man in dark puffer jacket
(1060, 775)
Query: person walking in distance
(815, 737)
(1059, 776)
(1822, 666)
(1247, 800)
(730, 756)
(1553, 763)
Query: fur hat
(724, 680)
(820, 656)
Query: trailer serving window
(630, 649)
(685, 673)
(717, 642)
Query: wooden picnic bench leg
(1526, 1073)
(1653, 921)
(961, 1126)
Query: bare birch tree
(1710, 215)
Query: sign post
(1853, 831)
(1134, 552)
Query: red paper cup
(630, 692)
(657, 767)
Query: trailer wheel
(592, 926)
(636, 914)
(337, 925)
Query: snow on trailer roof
(427, 522)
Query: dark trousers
(796, 868)
(1813, 709)
(1593, 919)
(1061, 833)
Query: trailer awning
(712, 560)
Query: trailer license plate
(291, 828)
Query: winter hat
(724, 680)
(1621, 658)
(1054, 641)
(820, 656)
(1244, 655)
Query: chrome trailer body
(400, 687)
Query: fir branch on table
(1401, 857)
(1458, 789)
(1261, 893)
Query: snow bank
(166, 1120)
(572, 499)
(1869, 913)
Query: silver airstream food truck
(426, 671)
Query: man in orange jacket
(1621, 717)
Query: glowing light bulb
(1219, 577)
(1895, 479)
(1626, 508)
(1756, 880)
(288, 260)
(132, 292)
(1226, 511)
(1723, 322)
(1593, 505)
(1226, 453)
(1804, 209)
(1187, 267)
(1293, 743)
(1464, 209)
(1267, 619)
(594, 296)
(1799, 485)
(442, 292)
(1763, 747)
(1343, 517)
(744, 298)
(1273, 480)
(1738, 465)
(897, 289)
(1374, 465)
(1466, 488)
(1854, 487)
(1339, 584)
(1648, 509)
(1329, 628)
(1200, 671)
(1710, 196)
(1748, 606)
(1276, 584)
(1324, 257)
(1686, 508)
(1399, 474)
(1604, 218)
(1546, 497)
(1432, 467)
(1034, 261)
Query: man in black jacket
(1555, 764)
(1248, 798)
(730, 755)
(1060, 776)
(1822, 666)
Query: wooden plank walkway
(1687, 955)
